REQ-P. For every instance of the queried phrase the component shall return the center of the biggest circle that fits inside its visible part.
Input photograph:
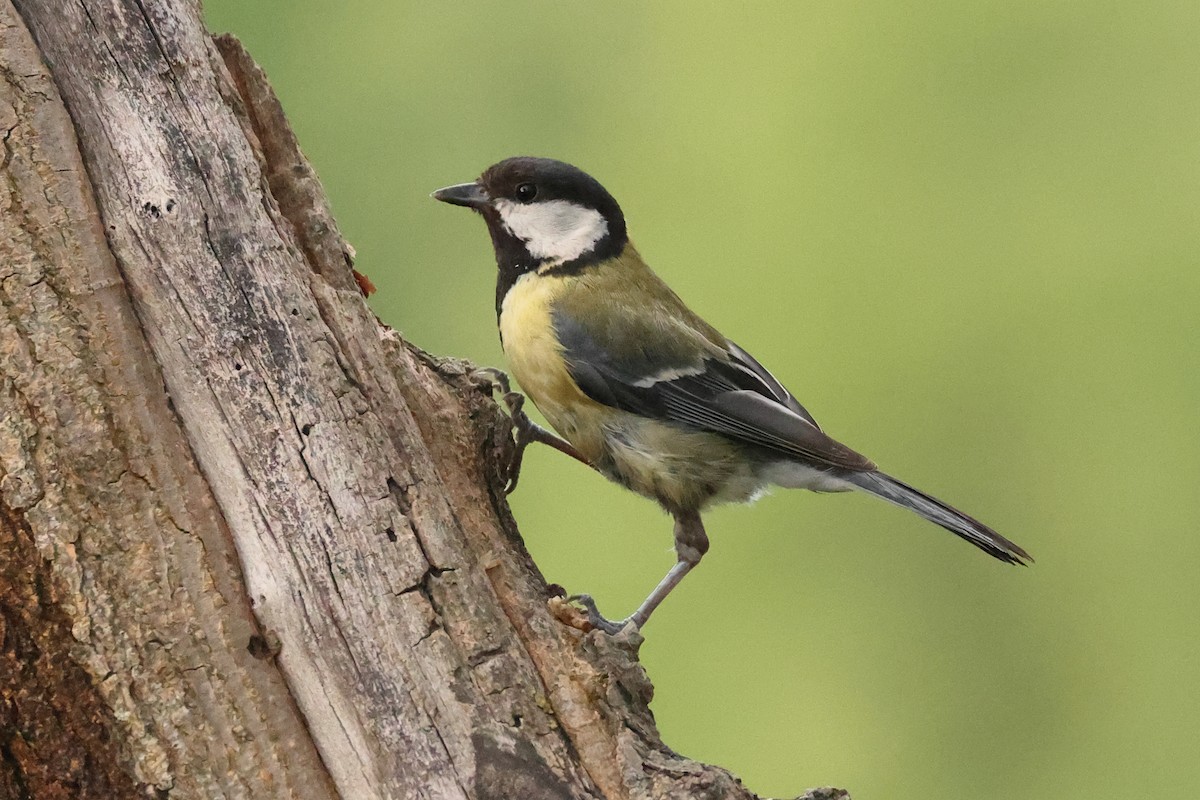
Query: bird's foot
(599, 621)
(526, 431)
(491, 380)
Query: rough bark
(252, 544)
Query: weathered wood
(112, 535)
(258, 541)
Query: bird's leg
(527, 430)
(691, 543)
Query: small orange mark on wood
(364, 283)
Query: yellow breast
(535, 360)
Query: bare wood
(266, 538)
(141, 597)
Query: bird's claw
(526, 432)
(493, 380)
(596, 619)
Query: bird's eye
(526, 192)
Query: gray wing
(727, 392)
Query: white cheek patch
(556, 230)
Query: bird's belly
(680, 469)
(683, 470)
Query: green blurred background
(964, 234)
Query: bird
(640, 387)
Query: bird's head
(543, 214)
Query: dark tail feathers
(936, 511)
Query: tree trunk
(252, 544)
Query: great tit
(643, 389)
